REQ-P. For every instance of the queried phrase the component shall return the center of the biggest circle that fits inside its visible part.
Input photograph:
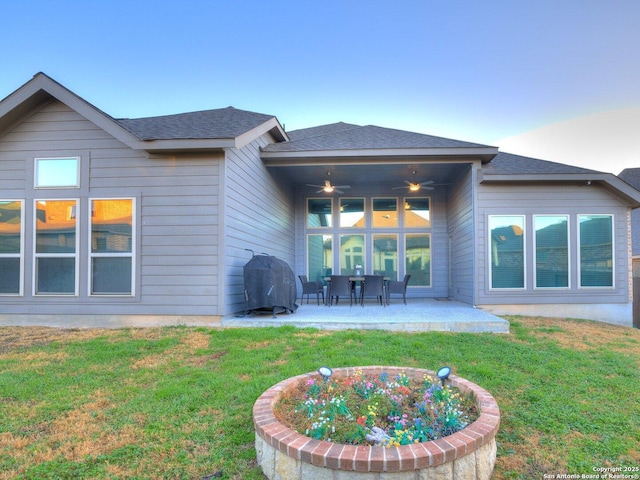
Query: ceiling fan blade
(312, 185)
(321, 190)
(342, 186)
(337, 191)
(397, 188)
(428, 182)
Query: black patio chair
(399, 288)
(340, 286)
(373, 286)
(310, 288)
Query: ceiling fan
(328, 188)
(414, 186)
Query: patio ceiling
(361, 176)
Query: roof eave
(184, 144)
(608, 180)
(485, 154)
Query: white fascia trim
(381, 153)
(272, 125)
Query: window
(418, 258)
(319, 256)
(596, 250)
(416, 212)
(385, 213)
(319, 212)
(11, 228)
(352, 212)
(552, 251)
(506, 235)
(56, 247)
(57, 172)
(111, 247)
(385, 255)
(351, 253)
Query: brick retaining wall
(284, 454)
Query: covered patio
(419, 315)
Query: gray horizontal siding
(177, 204)
(258, 215)
(552, 199)
(462, 238)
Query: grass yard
(176, 402)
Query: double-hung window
(112, 246)
(11, 246)
(56, 247)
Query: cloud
(606, 141)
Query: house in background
(632, 177)
(132, 219)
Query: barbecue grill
(269, 285)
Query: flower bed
(383, 410)
(403, 454)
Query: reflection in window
(10, 247)
(111, 246)
(385, 256)
(319, 257)
(596, 250)
(319, 212)
(352, 212)
(418, 258)
(416, 212)
(56, 246)
(552, 251)
(57, 172)
(351, 253)
(507, 251)
(385, 213)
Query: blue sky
(501, 72)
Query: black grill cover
(269, 284)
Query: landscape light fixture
(325, 372)
(443, 374)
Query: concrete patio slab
(419, 315)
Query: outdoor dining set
(356, 287)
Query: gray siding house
(151, 218)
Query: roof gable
(42, 89)
(210, 129)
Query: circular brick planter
(285, 454)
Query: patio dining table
(353, 279)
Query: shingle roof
(207, 124)
(510, 164)
(344, 136)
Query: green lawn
(176, 402)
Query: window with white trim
(507, 234)
(11, 246)
(111, 252)
(596, 250)
(56, 247)
(551, 251)
(57, 172)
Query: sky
(552, 79)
